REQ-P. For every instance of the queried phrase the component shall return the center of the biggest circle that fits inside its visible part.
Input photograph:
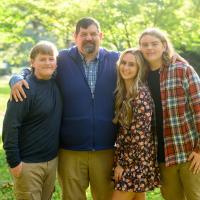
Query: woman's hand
(118, 173)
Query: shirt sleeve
(193, 82)
(18, 77)
(13, 120)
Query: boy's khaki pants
(179, 183)
(36, 181)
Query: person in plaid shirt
(175, 89)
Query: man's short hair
(86, 22)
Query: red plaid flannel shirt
(180, 96)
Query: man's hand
(177, 58)
(195, 162)
(118, 173)
(17, 92)
(16, 171)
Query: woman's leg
(140, 196)
(121, 195)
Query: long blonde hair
(162, 36)
(120, 92)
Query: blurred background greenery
(24, 22)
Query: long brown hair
(162, 36)
(120, 92)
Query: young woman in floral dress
(135, 170)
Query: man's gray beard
(89, 48)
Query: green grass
(6, 184)
(4, 96)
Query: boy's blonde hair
(43, 47)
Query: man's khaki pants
(79, 169)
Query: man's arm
(16, 83)
(177, 58)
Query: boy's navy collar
(33, 77)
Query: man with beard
(86, 75)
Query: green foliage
(4, 95)
(193, 58)
(24, 22)
(6, 184)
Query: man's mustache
(88, 42)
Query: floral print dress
(135, 147)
